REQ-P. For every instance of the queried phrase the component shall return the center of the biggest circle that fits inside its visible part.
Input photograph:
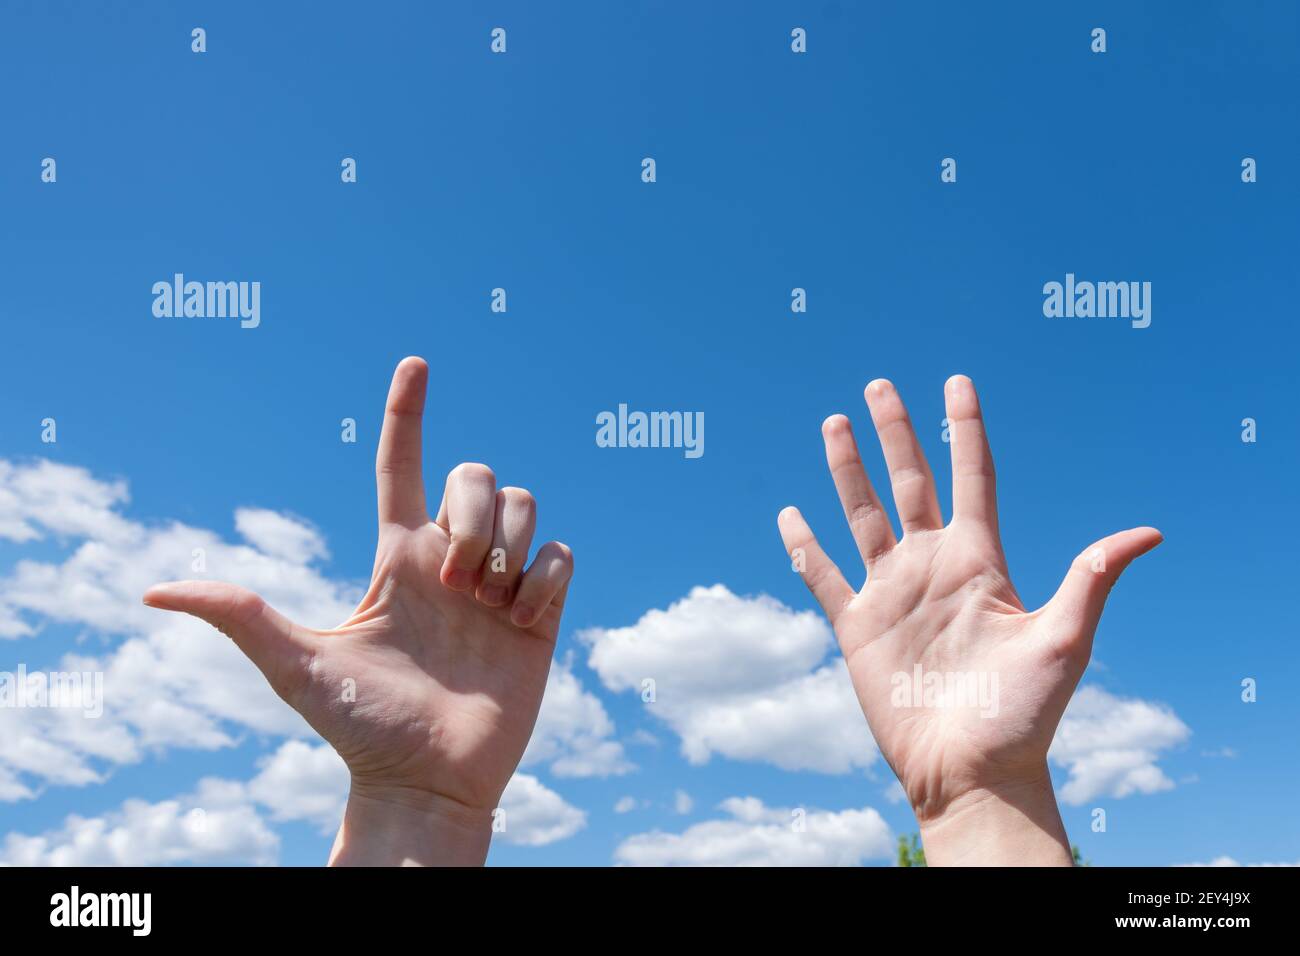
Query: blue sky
(774, 171)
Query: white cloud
(574, 732)
(1226, 861)
(682, 802)
(62, 500)
(302, 782)
(756, 835)
(169, 681)
(1110, 745)
(215, 825)
(535, 815)
(280, 536)
(742, 677)
(223, 821)
(625, 805)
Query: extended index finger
(398, 470)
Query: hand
(448, 652)
(941, 599)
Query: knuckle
(815, 578)
(863, 512)
(470, 540)
(396, 465)
(908, 474)
(243, 606)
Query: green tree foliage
(911, 854)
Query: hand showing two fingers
(430, 690)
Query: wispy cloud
(752, 834)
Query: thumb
(1076, 607)
(281, 650)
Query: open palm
(961, 686)
(430, 690)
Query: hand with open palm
(430, 690)
(938, 608)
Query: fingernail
(522, 615)
(494, 594)
(459, 579)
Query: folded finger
(543, 584)
(512, 535)
(467, 514)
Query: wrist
(1016, 823)
(405, 827)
